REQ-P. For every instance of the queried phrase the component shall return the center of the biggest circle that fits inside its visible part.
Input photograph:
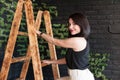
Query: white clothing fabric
(64, 78)
(75, 74)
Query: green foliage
(98, 62)
(6, 12)
(6, 15)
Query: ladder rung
(22, 33)
(18, 59)
(44, 64)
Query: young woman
(78, 48)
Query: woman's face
(73, 28)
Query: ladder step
(44, 64)
(18, 59)
(22, 33)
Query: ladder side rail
(26, 64)
(53, 55)
(33, 41)
(11, 41)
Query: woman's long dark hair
(82, 21)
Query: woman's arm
(59, 61)
(66, 43)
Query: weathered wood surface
(38, 20)
(11, 41)
(26, 64)
(33, 50)
(33, 41)
(51, 46)
(19, 59)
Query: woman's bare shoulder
(80, 43)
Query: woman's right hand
(37, 31)
(58, 61)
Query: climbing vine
(98, 63)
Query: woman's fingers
(38, 32)
(46, 61)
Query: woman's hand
(37, 32)
(59, 61)
(48, 61)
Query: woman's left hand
(47, 61)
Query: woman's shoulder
(80, 43)
(77, 38)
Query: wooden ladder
(33, 49)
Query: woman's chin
(73, 34)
